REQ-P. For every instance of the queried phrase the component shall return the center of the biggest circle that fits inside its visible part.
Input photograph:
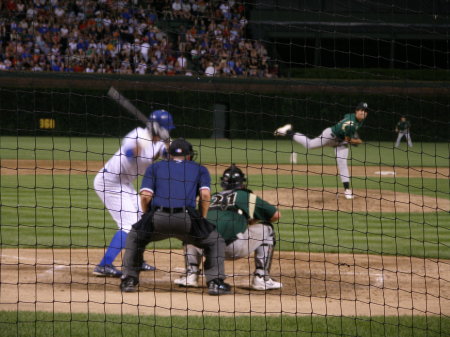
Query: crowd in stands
(131, 36)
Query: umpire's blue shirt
(175, 183)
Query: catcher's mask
(182, 148)
(233, 178)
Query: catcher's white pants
(258, 238)
(402, 134)
(247, 242)
(327, 138)
(121, 200)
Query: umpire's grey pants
(174, 225)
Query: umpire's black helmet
(181, 148)
(233, 178)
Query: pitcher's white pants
(327, 138)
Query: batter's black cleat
(146, 267)
(129, 284)
(107, 271)
(217, 287)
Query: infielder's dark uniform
(402, 128)
(175, 184)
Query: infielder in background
(339, 136)
(402, 129)
(114, 182)
(245, 222)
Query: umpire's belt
(171, 210)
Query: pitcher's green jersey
(231, 211)
(347, 127)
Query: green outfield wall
(77, 105)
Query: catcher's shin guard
(263, 260)
(264, 253)
(192, 258)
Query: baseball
(347, 123)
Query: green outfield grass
(62, 211)
(22, 324)
(227, 151)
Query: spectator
(210, 70)
(181, 64)
(186, 10)
(182, 41)
(144, 49)
(177, 9)
(141, 69)
(167, 11)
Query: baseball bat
(127, 105)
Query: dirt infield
(318, 284)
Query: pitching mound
(364, 201)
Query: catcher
(339, 136)
(244, 221)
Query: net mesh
(265, 85)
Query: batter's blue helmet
(163, 118)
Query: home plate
(385, 173)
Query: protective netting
(360, 246)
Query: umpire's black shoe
(129, 284)
(218, 287)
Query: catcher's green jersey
(231, 211)
(403, 126)
(347, 127)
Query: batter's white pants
(327, 138)
(121, 200)
(400, 136)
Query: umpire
(168, 193)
